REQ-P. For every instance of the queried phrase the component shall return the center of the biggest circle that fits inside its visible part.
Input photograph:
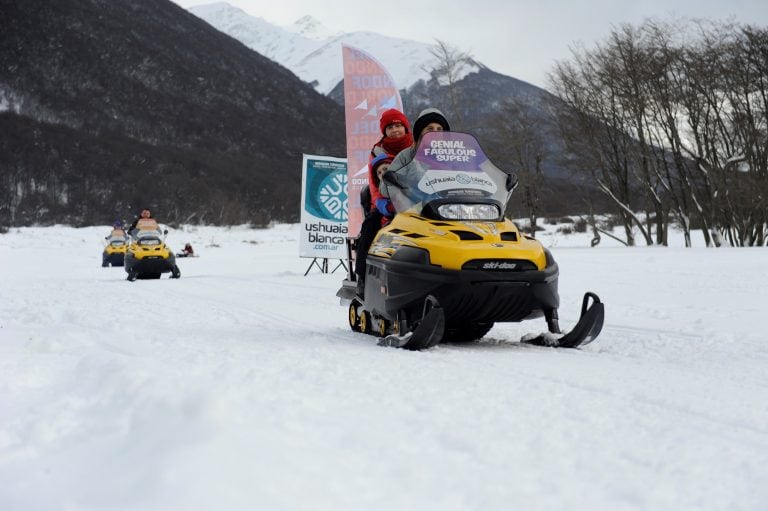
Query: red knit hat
(392, 116)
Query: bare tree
(716, 128)
(525, 149)
(681, 115)
(745, 87)
(450, 67)
(595, 131)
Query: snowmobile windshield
(149, 241)
(450, 178)
(148, 238)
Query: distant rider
(144, 220)
(187, 252)
(117, 231)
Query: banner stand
(369, 90)
(323, 267)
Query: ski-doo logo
(326, 192)
(496, 265)
(500, 265)
(463, 179)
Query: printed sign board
(324, 207)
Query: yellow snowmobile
(114, 252)
(148, 257)
(449, 265)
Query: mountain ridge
(317, 59)
(164, 82)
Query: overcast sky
(519, 38)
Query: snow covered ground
(240, 386)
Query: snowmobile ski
(427, 333)
(586, 330)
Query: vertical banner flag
(324, 207)
(368, 91)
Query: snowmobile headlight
(469, 211)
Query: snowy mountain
(313, 52)
(311, 28)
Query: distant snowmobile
(148, 257)
(450, 265)
(114, 252)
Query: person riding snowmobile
(117, 231)
(428, 121)
(396, 136)
(374, 220)
(144, 219)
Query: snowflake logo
(333, 196)
(463, 179)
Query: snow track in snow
(240, 386)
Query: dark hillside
(136, 102)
